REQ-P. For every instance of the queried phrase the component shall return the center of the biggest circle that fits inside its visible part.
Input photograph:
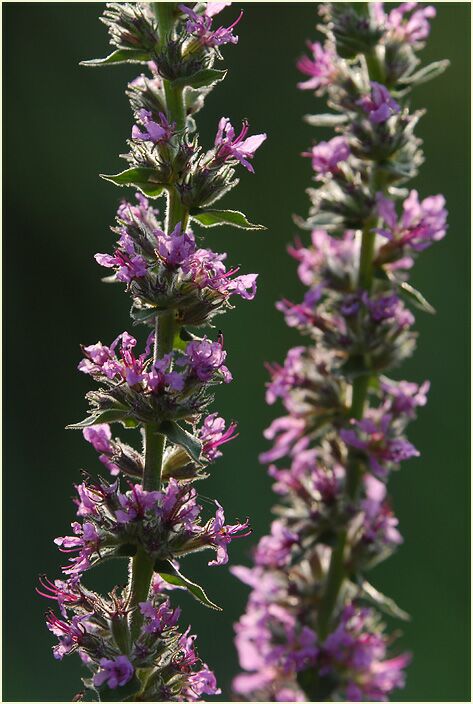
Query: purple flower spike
(306, 633)
(150, 514)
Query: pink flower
(228, 146)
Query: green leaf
(426, 74)
(141, 177)
(412, 295)
(120, 56)
(176, 434)
(324, 221)
(126, 550)
(325, 120)
(171, 575)
(119, 694)
(212, 218)
(383, 602)
(112, 415)
(205, 77)
(142, 315)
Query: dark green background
(65, 124)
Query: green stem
(375, 65)
(175, 105)
(165, 14)
(336, 571)
(176, 212)
(141, 567)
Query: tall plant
(312, 629)
(149, 512)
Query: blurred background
(63, 126)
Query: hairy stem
(141, 567)
(141, 572)
(336, 572)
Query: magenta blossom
(155, 132)
(372, 436)
(70, 633)
(135, 503)
(241, 148)
(220, 535)
(421, 224)
(175, 248)
(403, 397)
(128, 266)
(159, 618)
(379, 105)
(356, 651)
(201, 682)
(115, 673)
(206, 269)
(411, 28)
(66, 593)
(320, 68)
(213, 434)
(200, 25)
(275, 550)
(85, 542)
(326, 156)
(100, 437)
(205, 358)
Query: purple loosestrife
(313, 629)
(149, 512)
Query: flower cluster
(312, 630)
(170, 271)
(149, 512)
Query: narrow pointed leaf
(142, 315)
(141, 177)
(110, 416)
(171, 575)
(426, 74)
(412, 295)
(176, 434)
(120, 56)
(383, 602)
(325, 120)
(205, 77)
(212, 218)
